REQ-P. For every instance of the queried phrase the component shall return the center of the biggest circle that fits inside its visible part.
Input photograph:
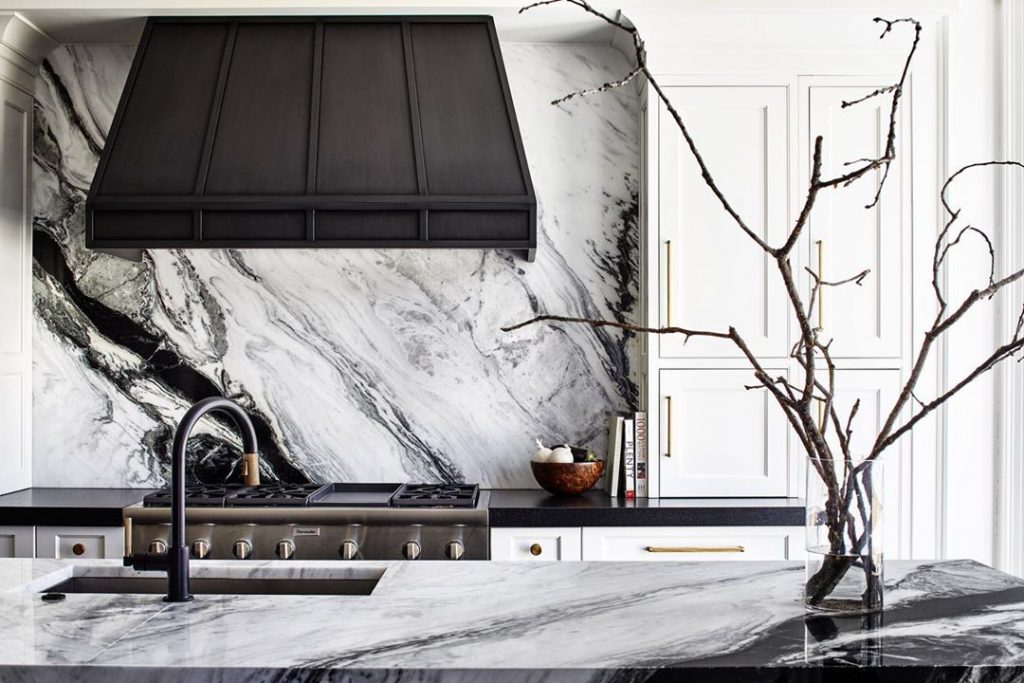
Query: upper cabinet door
(712, 274)
(845, 237)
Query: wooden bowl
(567, 478)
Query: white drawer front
(17, 541)
(661, 544)
(79, 542)
(536, 544)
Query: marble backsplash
(357, 365)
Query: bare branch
(614, 323)
(599, 89)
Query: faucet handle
(251, 469)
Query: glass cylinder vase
(844, 536)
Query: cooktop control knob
(348, 550)
(158, 547)
(411, 550)
(285, 549)
(455, 550)
(242, 549)
(200, 549)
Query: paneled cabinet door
(83, 542)
(536, 544)
(712, 275)
(16, 285)
(718, 438)
(17, 541)
(845, 238)
(666, 544)
(877, 391)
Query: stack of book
(626, 464)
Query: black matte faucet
(175, 561)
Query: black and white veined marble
(372, 365)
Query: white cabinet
(661, 544)
(700, 271)
(865, 321)
(17, 541)
(22, 49)
(16, 285)
(536, 544)
(719, 438)
(713, 275)
(79, 542)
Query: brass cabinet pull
(668, 426)
(536, 550)
(695, 549)
(78, 549)
(668, 283)
(821, 290)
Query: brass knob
(158, 547)
(411, 550)
(536, 550)
(455, 550)
(285, 549)
(78, 548)
(348, 550)
(242, 549)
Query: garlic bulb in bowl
(542, 454)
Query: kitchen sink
(216, 586)
(215, 581)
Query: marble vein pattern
(371, 365)
(493, 621)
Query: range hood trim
(310, 203)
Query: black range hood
(314, 132)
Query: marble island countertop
(493, 621)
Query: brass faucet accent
(250, 469)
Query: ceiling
(121, 21)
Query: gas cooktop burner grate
(199, 495)
(274, 494)
(436, 495)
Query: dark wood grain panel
(365, 144)
(367, 225)
(262, 135)
(479, 225)
(156, 149)
(149, 225)
(246, 226)
(467, 135)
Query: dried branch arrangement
(809, 406)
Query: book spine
(613, 461)
(642, 487)
(629, 461)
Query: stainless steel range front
(319, 522)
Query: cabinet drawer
(692, 543)
(536, 544)
(79, 542)
(17, 541)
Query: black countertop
(536, 508)
(508, 508)
(67, 506)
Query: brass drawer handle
(78, 549)
(695, 549)
(668, 283)
(821, 277)
(668, 427)
(536, 550)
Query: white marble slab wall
(358, 365)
